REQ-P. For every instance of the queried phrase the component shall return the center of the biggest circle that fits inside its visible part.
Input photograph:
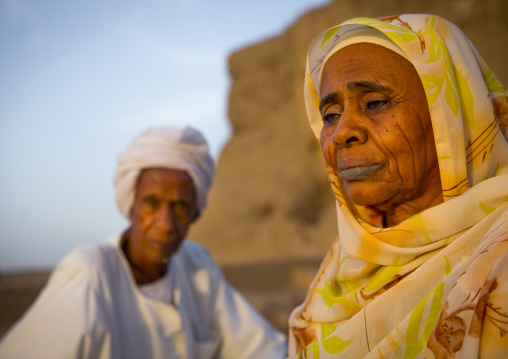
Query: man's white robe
(92, 308)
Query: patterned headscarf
(425, 284)
(182, 149)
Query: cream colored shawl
(435, 285)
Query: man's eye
(185, 205)
(182, 207)
(151, 201)
(330, 118)
(179, 204)
(374, 105)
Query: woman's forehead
(366, 65)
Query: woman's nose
(350, 130)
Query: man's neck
(143, 273)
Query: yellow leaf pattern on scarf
(396, 33)
(433, 85)
(448, 266)
(497, 169)
(333, 294)
(438, 51)
(329, 35)
(488, 210)
(414, 342)
(492, 82)
(331, 345)
(383, 277)
(334, 345)
(327, 329)
(312, 349)
(466, 101)
(418, 219)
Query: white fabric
(92, 308)
(161, 289)
(164, 147)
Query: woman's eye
(330, 118)
(374, 105)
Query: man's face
(377, 132)
(163, 209)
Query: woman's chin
(364, 194)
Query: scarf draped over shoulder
(436, 284)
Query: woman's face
(377, 132)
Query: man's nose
(350, 130)
(166, 219)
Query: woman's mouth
(359, 173)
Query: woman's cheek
(328, 149)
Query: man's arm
(245, 333)
(58, 324)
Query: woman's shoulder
(488, 261)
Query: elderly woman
(149, 292)
(410, 121)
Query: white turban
(164, 147)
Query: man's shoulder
(195, 254)
(91, 256)
(94, 265)
(195, 250)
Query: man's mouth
(359, 173)
(164, 245)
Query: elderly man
(149, 293)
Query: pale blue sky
(80, 79)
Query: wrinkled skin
(377, 132)
(164, 207)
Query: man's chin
(162, 255)
(161, 258)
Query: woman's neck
(402, 211)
